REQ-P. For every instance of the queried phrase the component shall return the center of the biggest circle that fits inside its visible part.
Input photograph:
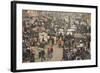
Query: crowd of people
(43, 32)
(76, 54)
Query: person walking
(42, 55)
(50, 52)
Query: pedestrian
(32, 55)
(50, 52)
(42, 55)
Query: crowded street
(55, 36)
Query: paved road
(57, 54)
